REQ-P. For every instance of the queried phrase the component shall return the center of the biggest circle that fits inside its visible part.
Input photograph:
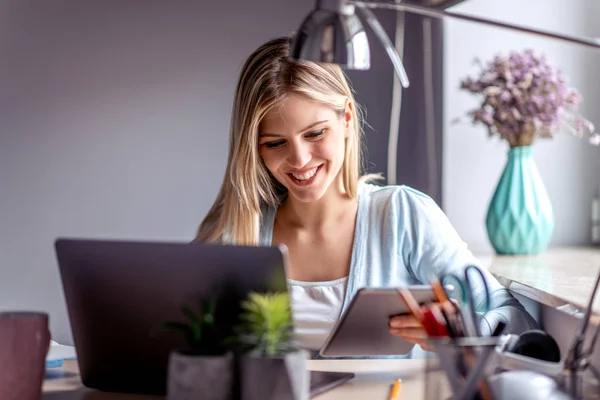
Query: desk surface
(373, 381)
(559, 277)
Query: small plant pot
(282, 378)
(194, 377)
(24, 343)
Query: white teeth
(306, 175)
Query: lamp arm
(387, 43)
(442, 14)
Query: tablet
(363, 329)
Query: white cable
(392, 164)
(428, 77)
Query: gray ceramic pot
(200, 377)
(285, 378)
(24, 343)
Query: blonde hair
(267, 77)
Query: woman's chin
(306, 196)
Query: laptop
(118, 293)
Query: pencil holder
(461, 368)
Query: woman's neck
(314, 216)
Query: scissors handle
(483, 281)
(467, 298)
(465, 287)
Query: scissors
(466, 287)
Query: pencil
(438, 290)
(395, 393)
(412, 304)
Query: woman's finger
(400, 321)
(413, 333)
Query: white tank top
(316, 307)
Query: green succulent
(267, 328)
(199, 330)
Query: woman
(294, 177)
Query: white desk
(559, 277)
(373, 381)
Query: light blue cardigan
(401, 237)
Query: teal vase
(520, 219)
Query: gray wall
(115, 117)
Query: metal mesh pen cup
(460, 369)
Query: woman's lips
(305, 178)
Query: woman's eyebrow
(261, 134)
(264, 134)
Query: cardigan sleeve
(431, 245)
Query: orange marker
(438, 290)
(395, 393)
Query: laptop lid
(118, 293)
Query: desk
(559, 277)
(372, 381)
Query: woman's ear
(348, 116)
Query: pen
(499, 328)
(442, 297)
(395, 393)
(449, 326)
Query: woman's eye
(274, 145)
(316, 133)
(279, 143)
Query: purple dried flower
(524, 95)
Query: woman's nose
(299, 155)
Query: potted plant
(524, 98)
(205, 368)
(271, 366)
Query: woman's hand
(411, 330)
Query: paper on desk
(58, 353)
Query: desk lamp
(333, 33)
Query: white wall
(473, 162)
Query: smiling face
(302, 144)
